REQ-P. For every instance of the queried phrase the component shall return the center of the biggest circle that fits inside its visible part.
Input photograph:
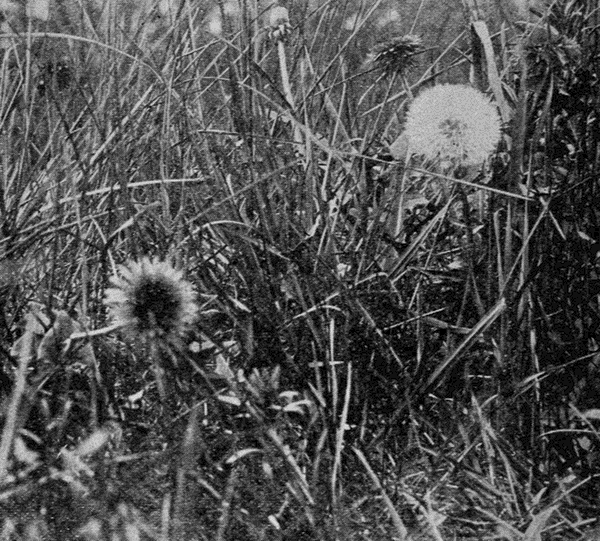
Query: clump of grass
(355, 356)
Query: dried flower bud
(279, 23)
(279, 15)
(7, 8)
(397, 55)
(38, 9)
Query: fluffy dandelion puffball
(454, 123)
(151, 298)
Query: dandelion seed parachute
(151, 298)
(455, 123)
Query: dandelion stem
(10, 422)
(287, 87)
(285, 76)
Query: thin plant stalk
(285, 76)
(398, 523)
(10, 422)
(339, 443)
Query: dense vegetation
(235, 303)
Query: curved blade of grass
(409, 253)
(474, 185)
(400, 527)
(538, 523)
(477, 331)
(483, 34)
(74, 37)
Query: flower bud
(38, 9)
(279, 16)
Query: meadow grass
(359, 339)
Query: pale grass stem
(10, 421)
(401, 529)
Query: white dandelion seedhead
(151, 298)
(454, 123)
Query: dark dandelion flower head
(397, 55)
(151, 298)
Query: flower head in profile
(38, 9)
(151, 298)
(453, 123)
(397, 55)
(279, 23)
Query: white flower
(278, 16)
(453, 123)
(151, 298)
(38, 9)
